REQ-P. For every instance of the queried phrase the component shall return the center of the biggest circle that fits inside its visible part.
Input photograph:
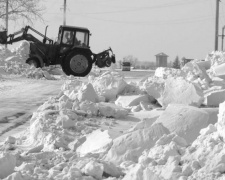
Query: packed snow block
(221, 117)
(76, 143)
(215, 98)
(133, 100)
(111, 169)
(87, 92)
(112, 110)
(216, 58)
(89, 107)
(165, 72)
(219, 71)
(204, 64)
(15, 176)
(94, 169)
(197, 69)
(181, 91)
(23, 50)
(213, 114)
(216, 81)
(135, 174)
(148, 121)
(96, 142)
(109, 85)
(2, 71)
(71, 85)
(154, 86)
(139, 172)
(7, 164)
(186, 121)
(65, 121)
(130, 146)
(47, 75)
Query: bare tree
(26, 10)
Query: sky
(141, 28)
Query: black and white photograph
(112, 90)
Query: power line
(145, 7)
(64, 13)
(217, 24)
(174, 21)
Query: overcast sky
(142, 28)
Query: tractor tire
(33, 62)
(77, 64)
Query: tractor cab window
(68, 37)
(81, 39)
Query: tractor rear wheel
(77, 64)
(33, 62)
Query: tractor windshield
(81, 39)
(68, 37)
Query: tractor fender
(81, 50)
(39, 59)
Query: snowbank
(185, 140)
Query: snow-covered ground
(138, 125)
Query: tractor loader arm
(4, 39)
(104, 59)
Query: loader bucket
(113, 59)
(3, 37)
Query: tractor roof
(74, 27)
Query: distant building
(185, 61)
(161, 60)
(126, 66)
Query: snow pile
(25, 70)
(216, 58)
(4, 53)
(65, 131)
(14, 62)
(193, 84)
(111, 84)
(164, 72)
(23, 50)
(7, 164)
(65, 139)
(172, 157)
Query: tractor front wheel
(77, 64)
(33, 62)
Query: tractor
(71, 49)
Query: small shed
(126, 66)
(161, 60)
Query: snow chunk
(96, 142)
(215, 98)
(179, 90)
(165, 72)
(109, 85)
(186, 121)
(130, 146)
(133, 100)
(7, 164)
(87, 92)
(111, 110)
(154, 86)
(94, 169)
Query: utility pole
(222, 38)
(7, 18)
(64, 14)
(217, 25)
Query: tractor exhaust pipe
(3, 37)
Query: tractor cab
(71, 36)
